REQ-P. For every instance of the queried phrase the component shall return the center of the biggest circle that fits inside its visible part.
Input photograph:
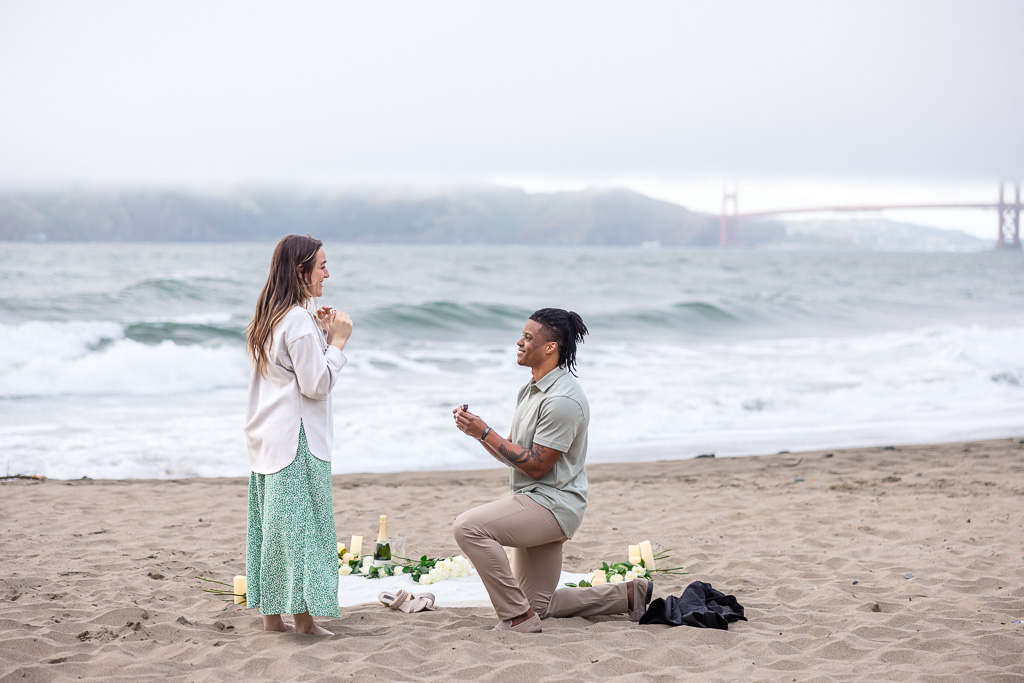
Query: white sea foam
(215, 318)
(38, 339)
(648, 401)
(74, 358)
(933, 384)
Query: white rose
(345, 570)
(425, 580)
(640, 571)
(399, 570)
(616, 578)
(365, 569)
(630, 576)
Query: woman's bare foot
(304, 624)
(316, 630)
(274, 622)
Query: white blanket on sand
(465, 592)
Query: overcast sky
(799, 102)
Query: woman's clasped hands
(337, 324)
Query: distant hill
(488, 215)
(876, 234)
(481, 215)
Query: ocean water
(127, 360)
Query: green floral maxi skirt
(291, 558)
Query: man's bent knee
(462, 529)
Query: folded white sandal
(417, 603)
(393, 600)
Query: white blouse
(302, 369)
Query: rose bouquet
(431, 570)
(642, 563)
(425, 571)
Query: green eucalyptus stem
(203, 578)
(231, 595)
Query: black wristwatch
(486, 432)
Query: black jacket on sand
(700, 605)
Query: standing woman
(291, 562)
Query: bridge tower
(728, 230)
(1009, 221)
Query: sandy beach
(871, 564)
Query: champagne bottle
(382, 553)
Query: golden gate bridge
(1008, 236)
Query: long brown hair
(287, 286)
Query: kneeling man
(546, 451)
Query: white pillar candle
(647, 554)
(239, 590)
(599, 578)
(356, 547)
(634, 554)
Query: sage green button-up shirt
(554, 413)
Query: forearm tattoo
(522, 458)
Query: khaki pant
(531, 579)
